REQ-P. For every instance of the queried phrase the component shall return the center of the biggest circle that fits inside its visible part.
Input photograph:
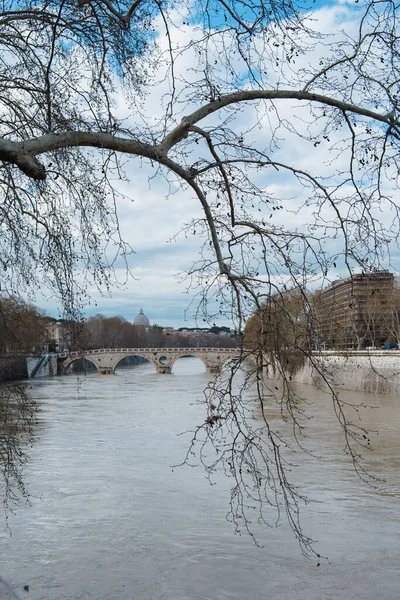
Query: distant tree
(155, 337)
(108, 332)
(281, 324)
(393, 325)
(22, 326)
(374, 317)
(393, 316)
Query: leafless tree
(22, 326)
(392, 314)
(245, 91)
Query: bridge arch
(138, 354)
(67, 363)
(200, 357)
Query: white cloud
(154, 210)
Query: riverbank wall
(13, 368)
(41, 366)
(376, 371)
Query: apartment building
(355, 312)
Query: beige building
(356, 312)
(58, 335)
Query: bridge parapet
(79, 353)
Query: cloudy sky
(152, 213)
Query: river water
(110, 519)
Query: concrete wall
(47, 368)
(376, 371)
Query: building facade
(58, 336)
(357, 312)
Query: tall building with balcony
(355, 312)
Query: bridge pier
(214, 370)
(163, 370)
(105, 371)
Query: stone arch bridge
(106, 360)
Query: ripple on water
(110, 518)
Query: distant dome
(141, 319)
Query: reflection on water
(17, 424)
(110, 518)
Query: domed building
(141, 319)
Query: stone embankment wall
(13, 368)
(375, 371)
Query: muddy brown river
(110, 519)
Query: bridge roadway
(106, 359)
